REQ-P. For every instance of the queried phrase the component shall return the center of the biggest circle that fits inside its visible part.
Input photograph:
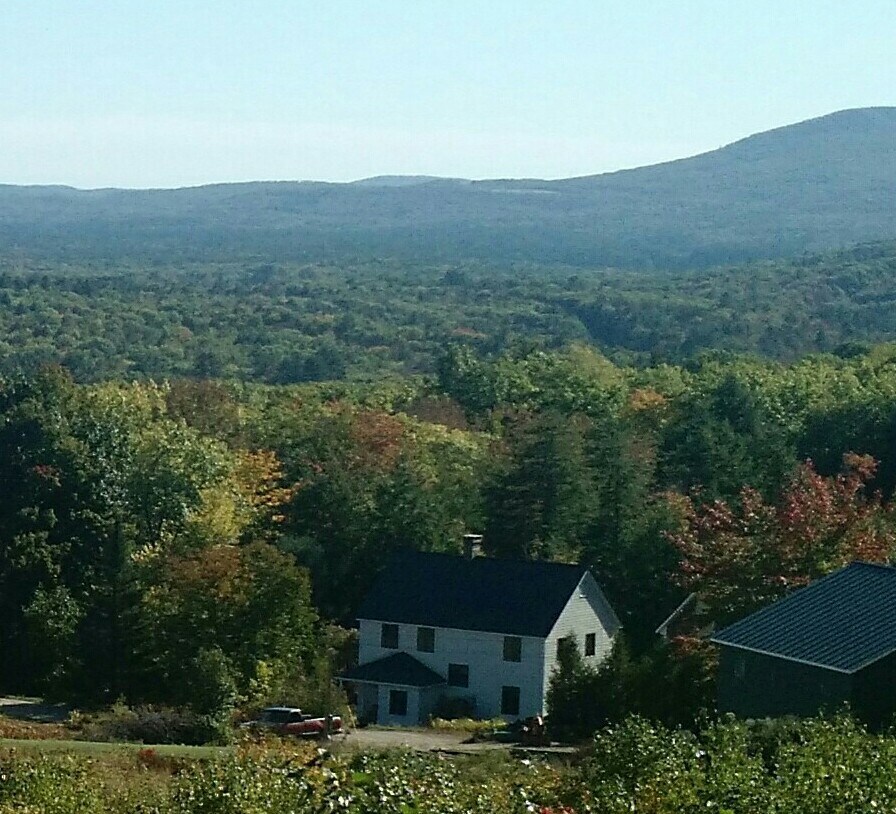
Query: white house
(437, 627)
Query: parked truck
(292, 721)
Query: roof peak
(882, 565)
(513, 597)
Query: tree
(743, 556)
(541, 500)
(368, 483)
(99, 482)
(573, 710)
(722, 438)
(626, 544)
(229, 607)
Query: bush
(28, 730)
(473, 726)
(152, 724)
(449, 709)
(43, 786)
(817, 766)
(308, 685)
(672, 686)
(316, 693)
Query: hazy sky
(176, 92)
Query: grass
(95, 748)
(469, 725)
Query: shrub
(672, 686)
(448, 708)
(471, 725)
(28, 730)
(151, 724)
(44, 786)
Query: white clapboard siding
(587, 611)
(482, 652)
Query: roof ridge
(886, 566)
(796, 592)
(511, 560)
(843, 620)
(437, 589)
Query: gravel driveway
(30, 710)
(420, 740)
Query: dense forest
(207, 456)
(193, 542)
(288, 323)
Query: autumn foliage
(742, 554)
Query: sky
(166, 93)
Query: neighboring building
(438, 629)
(688, 619)
(826, 645)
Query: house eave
(682, 606)
(806, 662)
(448, 627)
(342, 679)
(874, 660)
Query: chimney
(472, 546)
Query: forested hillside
(811, 186)
(661, 396)
(187, 543)
(292, 323)
(209, 453)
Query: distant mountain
(396, 180)
(819, 184)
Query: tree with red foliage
(741, 557)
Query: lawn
(94, 748)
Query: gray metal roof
(399, 668)
(513, 597)
(843, 622)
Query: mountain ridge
(810, 186)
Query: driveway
(420, 740)
(26, 709)
(426, 740)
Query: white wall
(413, 713)
(587, 611)
(375, 697)
(482, 652)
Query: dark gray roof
(514, 597)
(399, 668)
(843, 622)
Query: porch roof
(401, 669)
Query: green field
(94, 748)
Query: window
(458, 675)
(398, 702)
(513, 648)
(274, 715)
(389, 637)
(426, 639)
(590, 644)
(510, 700)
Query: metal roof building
(825, 646)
